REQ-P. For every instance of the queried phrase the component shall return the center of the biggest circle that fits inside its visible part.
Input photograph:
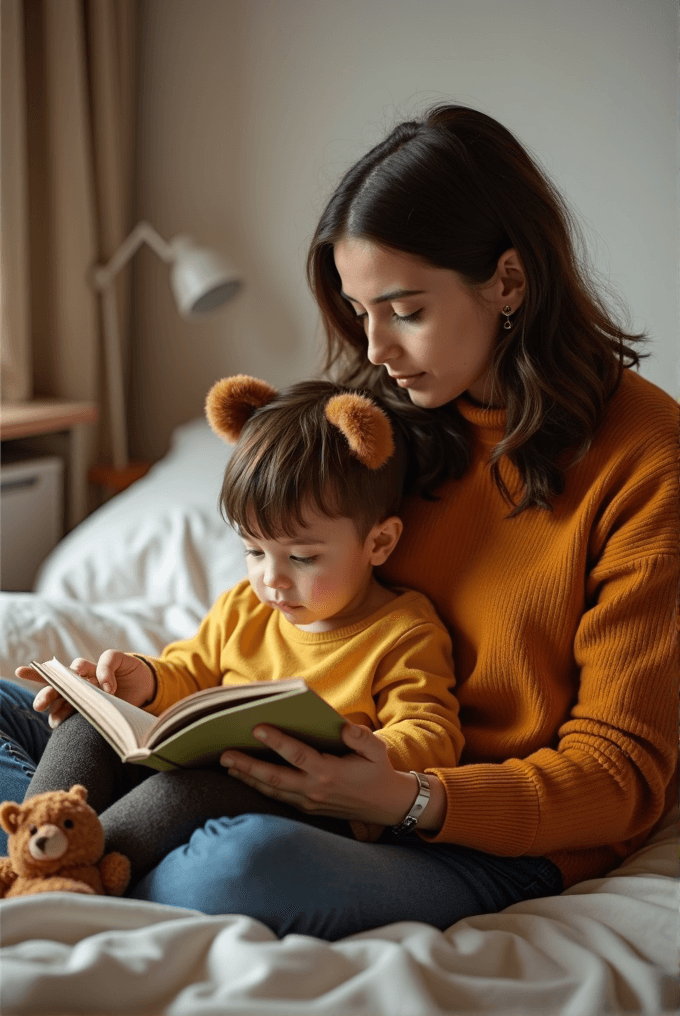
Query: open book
(195, 731)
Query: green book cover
(195, 731)
(302, 714)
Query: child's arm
(153, 683)
(189, 665)
(416, 707)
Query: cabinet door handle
(7, 485)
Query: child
(312, 486)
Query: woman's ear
(510, 279)
(383, 538)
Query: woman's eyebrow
(394, 294)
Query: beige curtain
(66, 189)
(15, 348)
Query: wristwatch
(411, 819)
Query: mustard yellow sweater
(392, 671)
(563, 638)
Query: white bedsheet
(143, 570)
(606, 946)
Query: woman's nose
(381, 346)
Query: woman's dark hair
(456, 190)
(289, 457)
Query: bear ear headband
(232, 401)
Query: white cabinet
(31, 517)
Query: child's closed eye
(303, 560)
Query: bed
(144, 569)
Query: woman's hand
(362, 785)
(118, 673)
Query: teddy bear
(56, 843)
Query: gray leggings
(146, 814)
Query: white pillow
(162, 540)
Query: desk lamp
(201, 281)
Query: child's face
(320, 574)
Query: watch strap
(410, 820)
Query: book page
(121, 723)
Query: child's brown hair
(293, 453)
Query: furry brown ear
(366, 427)
(9, 813)
(232, 401)
(79, 791)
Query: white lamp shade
(201, 280)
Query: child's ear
(383, 539)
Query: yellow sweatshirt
(563, 630)
(392, 671)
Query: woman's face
(433, 334)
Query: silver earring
(506, 312)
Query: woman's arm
(605, 781)
(361, 786)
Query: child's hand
(47, 697)
(116, 672)
(121, 674)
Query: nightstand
(114, 479)
(53, 416)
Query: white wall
(251, 110)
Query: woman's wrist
(406, 790)
(434, 813)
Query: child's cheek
(321, 593)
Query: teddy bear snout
(48, 842)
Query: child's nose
(275, 578)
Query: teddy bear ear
(366, 427)
(9, 816)
(232, 401)
(79, 791)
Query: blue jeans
(294, 877)
(23, 736)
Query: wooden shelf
(43, 416)
(114, 479)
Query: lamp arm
(102, 280)
(103, 275)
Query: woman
(544, 529)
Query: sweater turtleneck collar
(489, 423)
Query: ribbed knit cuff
(157, 705)
(489, 807)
